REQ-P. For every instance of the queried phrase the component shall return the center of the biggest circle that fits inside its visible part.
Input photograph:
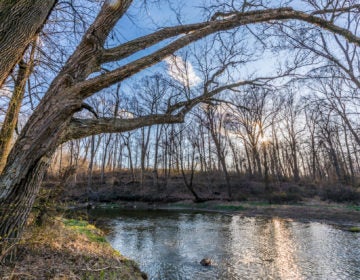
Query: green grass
(354, 229)
(202, 205)
(258, 203)
(85, 228)
(102, 275)
(229, 207)
(354, 207)
(205, 205)
(180, 204)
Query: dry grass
(68, 249)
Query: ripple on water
(170, 245)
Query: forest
(163, 101)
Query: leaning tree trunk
(12, 113)
(26, 165)
(20, 21)
(16, 207)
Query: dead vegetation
(121, 185)
(68, 249)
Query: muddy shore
(345, 215)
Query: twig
(22, 273)
(100, 269)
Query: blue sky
(141, 21)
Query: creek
(170, 245)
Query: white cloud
(182, 71)
(125, 114)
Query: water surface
(170, 244)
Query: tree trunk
(313, 157)
(249, 170)
(12, 113)
(103, 162)
(222, 162)
(191, 168)
(256, 159)
(235, 156)
(350, 161)
(156, 157)
(145, 138)
(295, 164)
(16, 207)
(91, 164)
(20, 21)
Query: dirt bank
(68, 249)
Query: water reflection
(286, 259)
(169, 245)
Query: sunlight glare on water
(170, 245)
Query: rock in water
(205, 262)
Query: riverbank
(68, 249)
(345, 215)
(206, 186)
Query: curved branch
(187, 105)
(353, 8)
(141, 43)
(91, 86)
(80, 128)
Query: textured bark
(16, 207)
(80, 128)
(20, 21)
(12, 113)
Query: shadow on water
(170, 245)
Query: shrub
(340, 193)
(284, 197)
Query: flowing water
(170, 244)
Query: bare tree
(214, 123)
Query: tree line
(287, 136)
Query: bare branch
(352, 8)
(129, 48)
(89, 87)
(207, 95)
(80, 128)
